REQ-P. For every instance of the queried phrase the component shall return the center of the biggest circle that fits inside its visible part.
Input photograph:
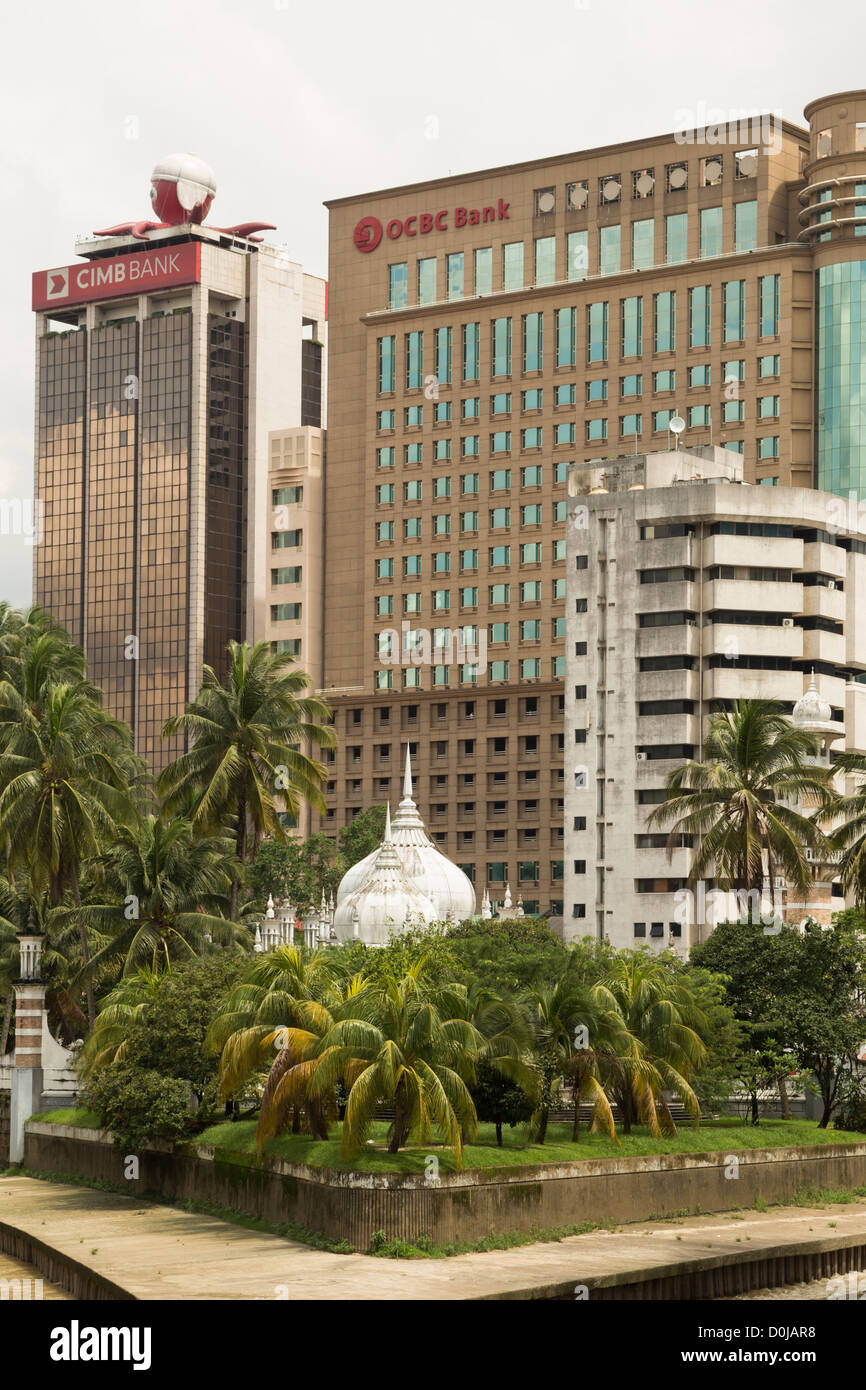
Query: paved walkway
(154, 1251)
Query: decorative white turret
(429, 871)
(386, 901)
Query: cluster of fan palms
(316, 1045)
(116, 870)
(761, 802)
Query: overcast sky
(293, 103)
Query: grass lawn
(82, 1119)
(729, 1134)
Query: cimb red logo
(368, 232)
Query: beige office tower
(165, 364)
(491, 329)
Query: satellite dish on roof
(578, 196)
(748, 165)
(676, 425)
(678, 177)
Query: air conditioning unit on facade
(641, 757)
(787, 622)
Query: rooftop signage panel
(114, 276)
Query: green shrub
(139, 1105)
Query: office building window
(398, 296)
(642, 244)
(676, 237)
(665, 321)
(388, 364)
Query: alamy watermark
(440, 646)
(714, 126)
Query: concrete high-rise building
(489, 330)
(172, 361)
(688, 590)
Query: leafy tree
(498, 1100)
(737, 801)
(362, 835)
(296, 871)
(756, 966)
(248, 737)
(850, 835)
(822, 1007)
(509, 955)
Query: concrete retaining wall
(461, 1206)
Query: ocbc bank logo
(368, 234)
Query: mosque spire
(407, 780)
(388, 824)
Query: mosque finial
(388, 824)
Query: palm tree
(168, 892)
(119, 1010)
(737, 801)
(247, 741)
(570, 1021)
(402, 1041)
(287, 1002)
(659, 1011)
(849, 836)
(66, 770)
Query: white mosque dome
(429, 871)
(384, 902)
(811, 711)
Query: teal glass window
(596, 429)
(442, 411)
(632, 326)
(563, 433)
(414, 359)
(768, 407)
(414, 416)
(664, 381)
(734, 293)
(768, 447)
(533, 342)
(643, 244)
(860, 209)
(469, 484)
(676, 237)
(427, 280)
(735, 369)
(596, 390)
(386, 419)
(770, 295)
(699, 415)
(512, 266)
(471, 351)
(545, 260)
(531, 476)
(631, 385)
(500, 404)
(385, 457)
(484, 270)
(736, 446)
(442, 449)
(388, 364)
(413, 453)
(443, 342)
(566, 337)
(577, 255)
(533, 400)
(665, 321)
(824, 197)
(609, 250)
(398, 280)
(596, 332)
(700, 312)
(630, 425)
(455, 275)
(470, 445)
(768, 366)
(700, 375)
(501, 333)
(745, 226)
(661, 420)
(471, 407)
(711, 231)
(565, 394)
(531, 438)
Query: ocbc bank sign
(369, 231)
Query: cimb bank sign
(112, 276)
